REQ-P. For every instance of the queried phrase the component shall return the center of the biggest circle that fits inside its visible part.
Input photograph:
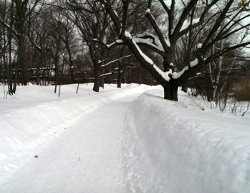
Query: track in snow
(88, 158)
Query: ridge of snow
(142, 54)
(179, 149)
(128, 35)
(146, 41)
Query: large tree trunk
(70, 61)
(97, 68)
(9, 70)
(20, 20)
(171, 91)
(102, 81)
(21, 61)
(171, 88)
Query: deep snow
(119, 140)
(185, 149)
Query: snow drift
(174, 149)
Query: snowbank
(35, 116)
(175, 149)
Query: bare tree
(19, 13)
(93, 23)
(188, 23)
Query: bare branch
(157, 30)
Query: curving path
(87, 158)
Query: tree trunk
(119, 80)
(40, 62)
(9, 70)
(102, 81)
(97, 77)
(57, 62)
(171, 91)
(97, 67)
(70, 60)
(21, 63)
(171, 88)
(56, 75)
(119, 77)
(120, 69)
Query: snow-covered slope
(177, 149)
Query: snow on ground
(119, 141)
(185, 149)
(35, 116)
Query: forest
(202, 45)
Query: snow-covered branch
(116, 60)
(147, 41)
(107, 74)
(158, 31)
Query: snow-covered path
(88, 158)
(120, 141)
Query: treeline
(56, 43)
(197, 44)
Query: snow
(106, 74)
(119, 140)
(147, 41)
(177, 75)
(187, 23)
(118, 41)
(148, 11)
(193, 63)
(199, 45)
(185, 149)
(115, 13)
(116, 60)
(168, 42)
(35, 117)
(168, 74)
(128, 34)
(164, 75)
(142, 54)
